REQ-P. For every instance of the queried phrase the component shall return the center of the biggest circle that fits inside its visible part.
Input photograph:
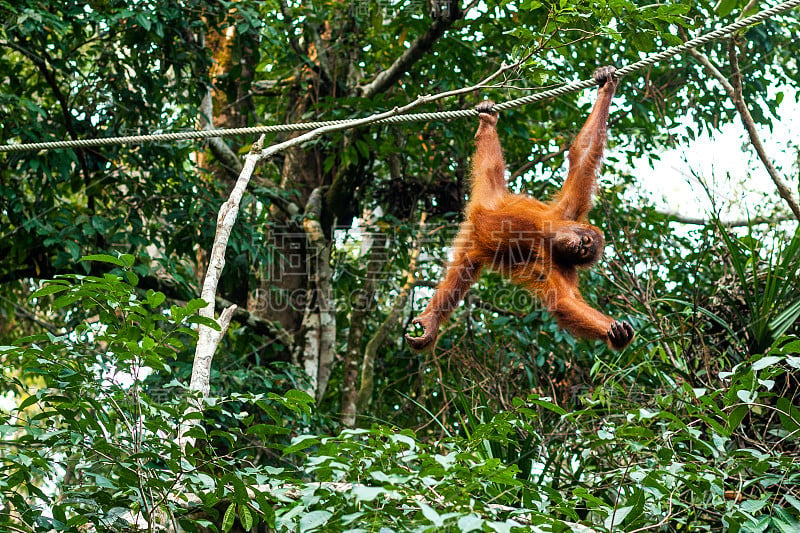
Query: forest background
(314, 415)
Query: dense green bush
(93, 444)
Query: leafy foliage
(94, 445)
(768, 287)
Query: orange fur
(538, 245)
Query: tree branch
(749, 124)
(418, 48)
(734, 91)
(41, 63)
(208, 338)
(739, 222)
(293, 42)
(319, 322)
(223, 153)
(28, 315)
(363, 304)
(256, 324)
(539, 159)
(322, 55)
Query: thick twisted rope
(414, 117)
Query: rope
(414, 117)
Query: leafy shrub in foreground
(91, 447)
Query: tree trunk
(362, 301)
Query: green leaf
(128, 259)
(746, 396)
(148, 344)
(764, 362)
(584, 494)
(239, 489)
(471, 522)
(530, 5)
(104, 258)
(27, 402)
(502, 321)
(430, 513)
(301, 443)
(616, 517)
(299, 396)
(314, 519)
(230, 515)
(195, 305)
(329, 162)
(367, 494)
(204, 320)
(50, 288)
(144, 21)
(155, 298)
(73, 249)
(785, 527)
(789, 416)
(65, 300)
(785, 319)
(267, 429)
(724, 7)
(547, 404)
(132, 278)
(753, 506)
(791, 500)
(245, 517)
(266, 509)
(736, 416)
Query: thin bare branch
(750, 126)
(223, 153)
(539, 159)
(293, 42)
(700, 221)
(413, 53)
(734, 91)
(257, 324)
